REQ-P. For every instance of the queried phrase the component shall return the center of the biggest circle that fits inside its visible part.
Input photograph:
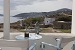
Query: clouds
(41, 6)
(1, 9)
(21, 6)
(27, 2)
(23, 2)
(1, 3)
(20, 2)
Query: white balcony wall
(73, 18)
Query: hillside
(1, 15)
(57, 13)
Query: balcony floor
(46, 37)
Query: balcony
(46, 37)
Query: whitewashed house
(48, 21)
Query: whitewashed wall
(48, 21)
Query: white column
(73, 18)
(6, 19)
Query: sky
(26, 6)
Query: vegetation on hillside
(31, 18)
(31, 21)
(69, 18)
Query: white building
(48, 21)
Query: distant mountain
(27, 15)
(45, 14)
(65, 10)
(1, 15)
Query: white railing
(73, 48)
(43, 46)
(58, 46)
(32, 47)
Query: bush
(64, 19)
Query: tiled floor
(46, 37)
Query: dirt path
(14, 30)
(43, 30)
(50, 30)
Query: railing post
(73, 47)
(42, 46)
(58, 44)
(0, 48)
(6, 19)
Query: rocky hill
(1, 15)
(57, 13)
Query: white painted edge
(73, 18)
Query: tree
(33, 20)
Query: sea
(12, 19)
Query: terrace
(46, 37)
